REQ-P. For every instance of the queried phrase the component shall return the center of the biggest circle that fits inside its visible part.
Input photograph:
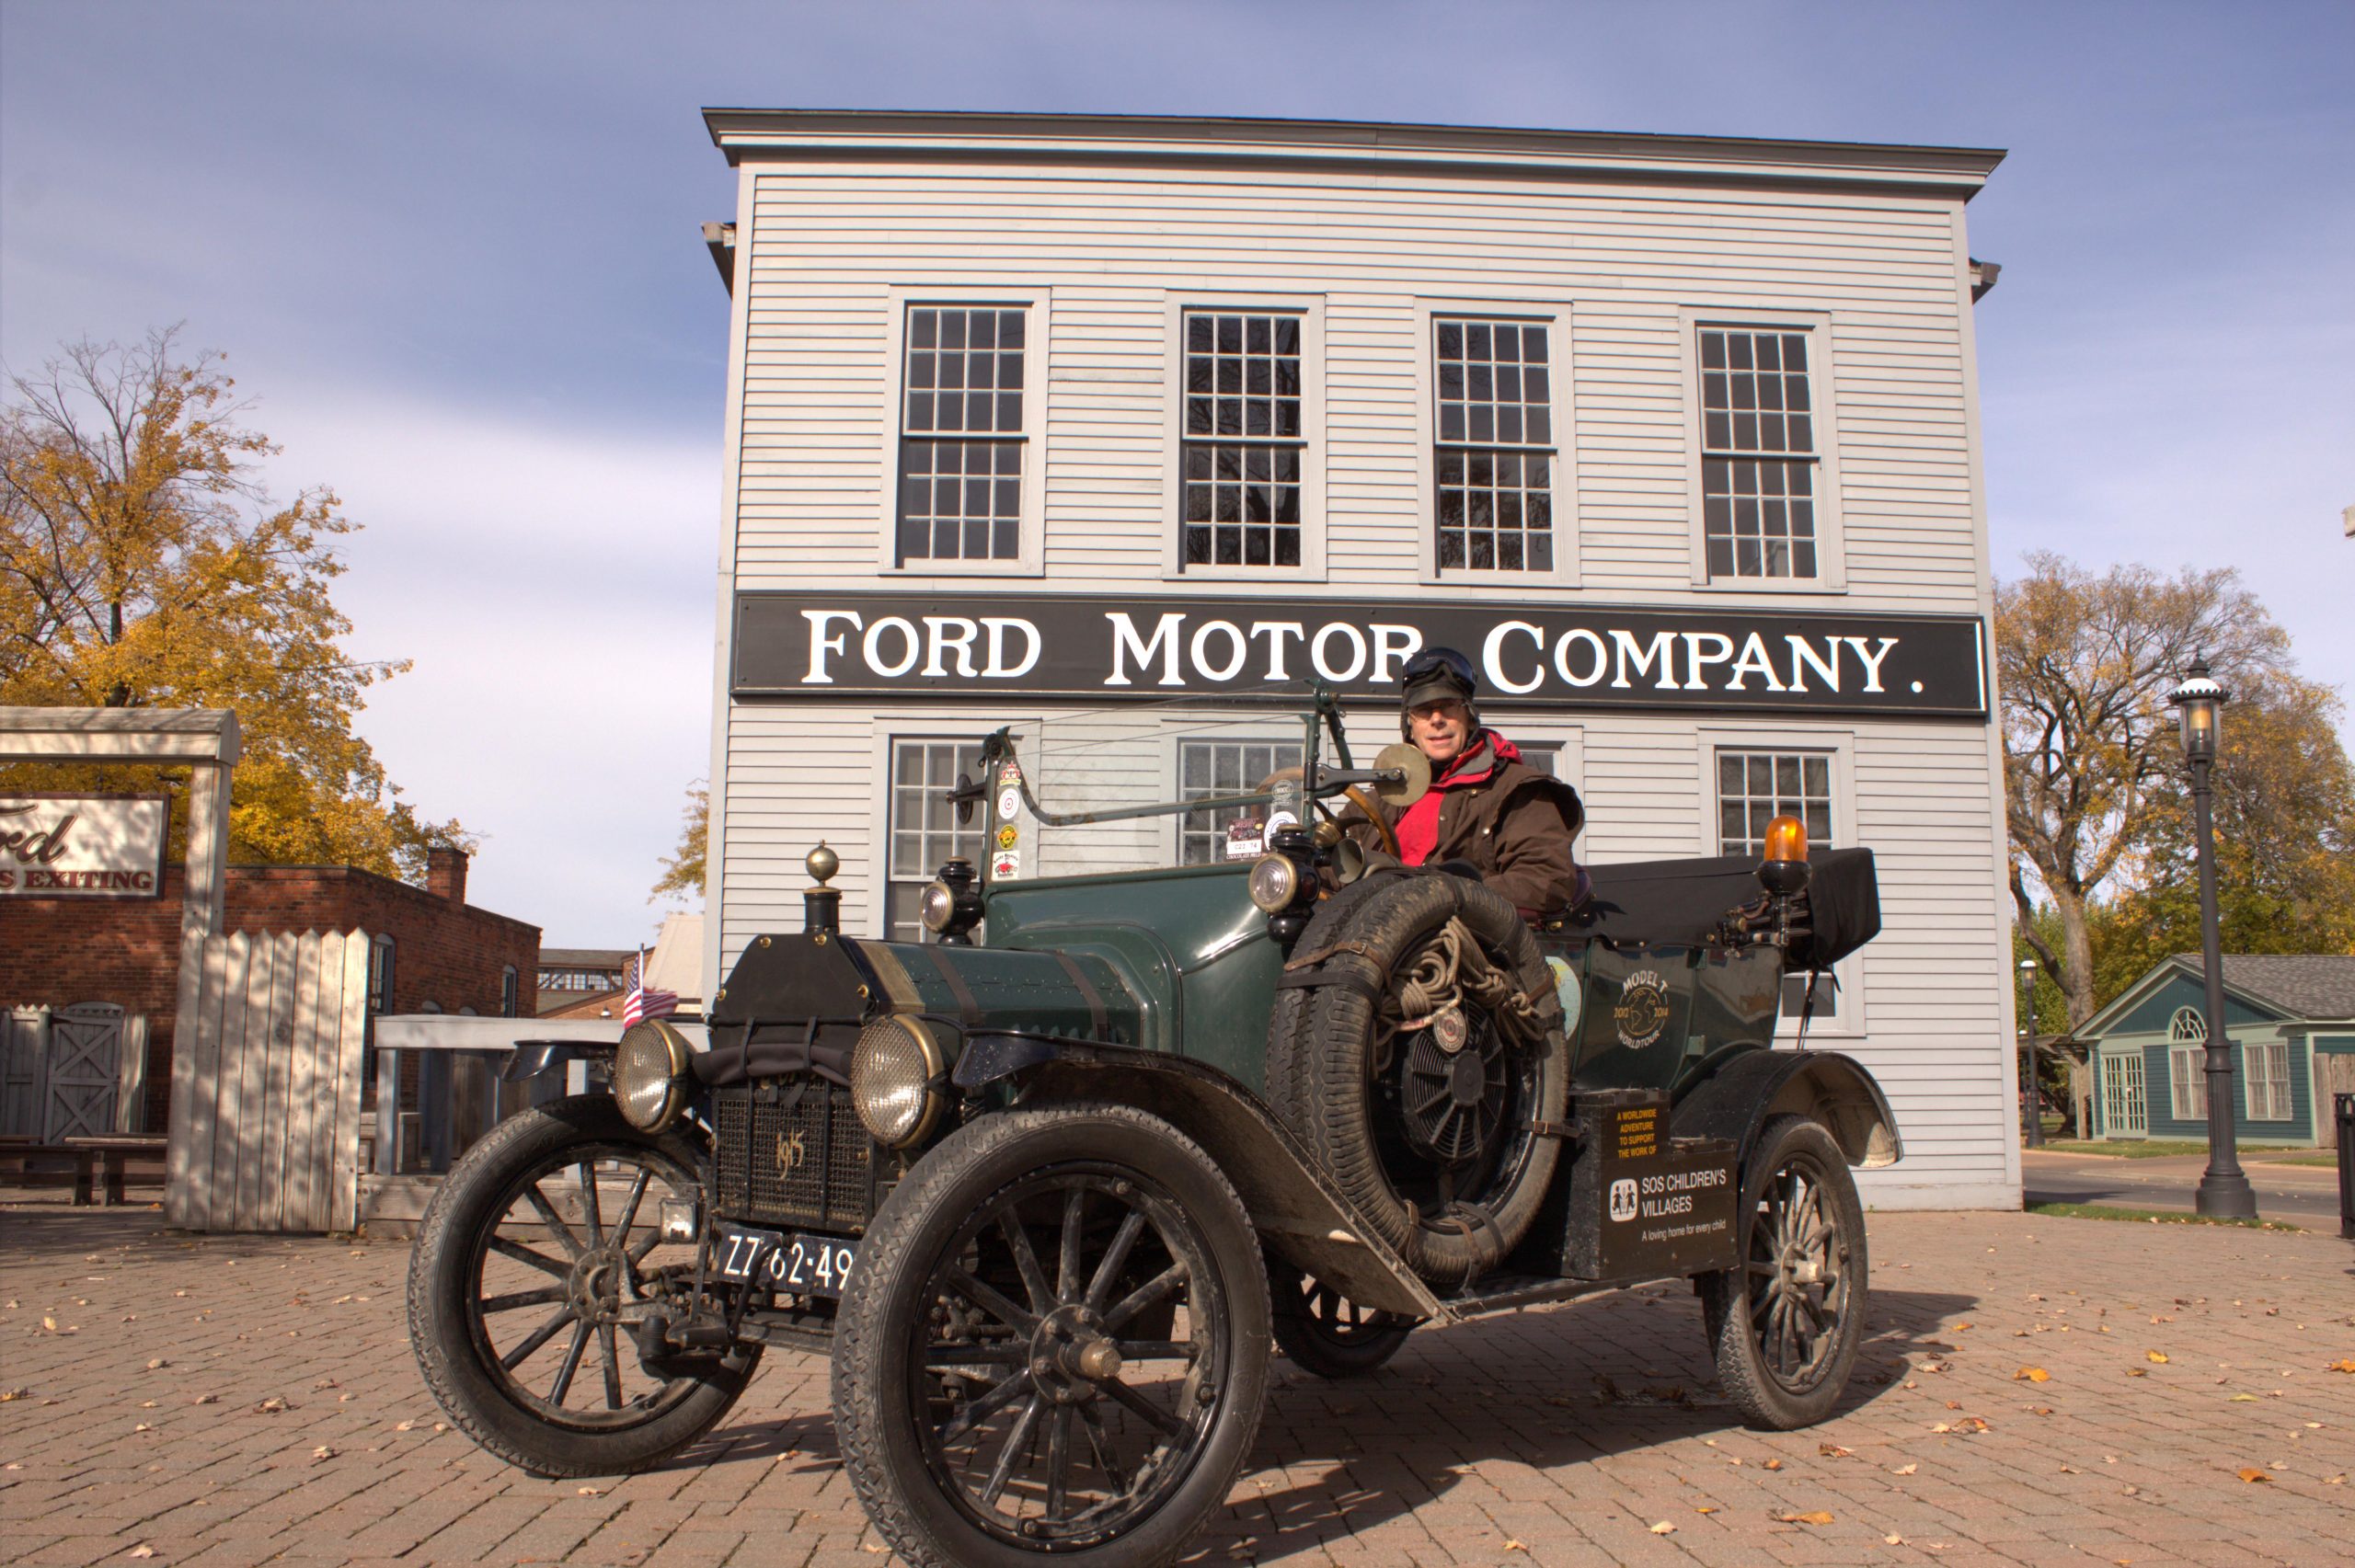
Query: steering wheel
(1354, 795)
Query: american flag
(640, 1002)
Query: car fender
(1735, 1099)
(1299, 1213)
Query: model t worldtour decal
(934, 645)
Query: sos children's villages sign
(82, 846)
(1737, 660)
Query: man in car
(1486, 808)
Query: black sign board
(1643, 1205)
(1568, 656)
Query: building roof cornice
(805, 135)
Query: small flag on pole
(643, 1002)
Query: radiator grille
(797, 1155)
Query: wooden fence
(266, 1082)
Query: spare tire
(1425, 1123)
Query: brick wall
(55, 951)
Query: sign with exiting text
(1572, 656)
(82, 846)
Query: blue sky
(451, 253)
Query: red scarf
(1419, 829)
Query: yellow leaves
(1814, 1516)
(2031, 1375)
(2157, 1356)
(2346, 1366)
(2255, 1475)
(1773, 1464)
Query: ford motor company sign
(1570, 656)
(85, 846)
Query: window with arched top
(2188, 1023)
(2188, 1064)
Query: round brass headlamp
(1274, 882)
(650, 1074)
(891, 1075)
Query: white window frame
(1847, 1019)
(1554, 314)
(1832, 540)
(2187, 1081)
(1037, 330)
(2277, 1105)
(892, 732)
(1310, 308)
(1277, 733)
(2125, 1104)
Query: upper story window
(1494, 456)
(1759, 456)
(380, 975)
(510, 986)
(1243, 439)
(964, 377)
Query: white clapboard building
(1677, 437)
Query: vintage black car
(1052, 1188)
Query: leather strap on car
(969, 1012)
(1098, 1019)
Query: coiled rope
(1451, 966)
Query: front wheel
(1055, 1343)
(539, 1259)
(1786, 1324)
(1326, 1333)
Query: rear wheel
(1055, 1343)
(1786, 1324)
(537, 1261)
(1324, 1331)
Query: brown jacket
(1515, 827)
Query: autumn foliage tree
(683, 869)
(142, 564)
(2096, 798)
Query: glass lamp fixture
(2198, 704)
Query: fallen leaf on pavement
(206, 1399)
(7, 1394)
(141, 1551)
(1773, 1464)
(2158, 1356)
(1663, 1527)
(2138, 1371)
(1833, 1451)
(1817, 1517)
(2251, 1399)
(49, 1325)
(1515, 1546)
(323, 1452)
(1906, 1470)
(2031, 1375)
(157, 1365)
(1709, 1508)
(1894, 1540)
(272, 1405)
(2347, 1366)
(2255, 1475)
(584, 1492)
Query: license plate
(804, 1264)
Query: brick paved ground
(1559, 1437)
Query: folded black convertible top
(1679, 902)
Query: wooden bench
(102, 1160)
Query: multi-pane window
(925, 829)
(1243, 439)
(2122, 1106)
(1755, 787)
(1494, 459)
(2188, 1064)
(1758, 458)
(960, 433)
(510, 988)
(1223, 767)
(2267, 1063)
(380, 975)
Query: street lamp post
(2223, 1190)
(2027, 1026)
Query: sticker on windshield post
(1244, 837)
(1005, 864)
(1009, 803)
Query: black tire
(1324, 1333)
(493, 1380)
(1787, 1326)
(1320, 1048)
(950, 1295)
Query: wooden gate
(84, 1065)
(265, 1060)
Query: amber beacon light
(1784, 868)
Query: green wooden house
(2291, 1019)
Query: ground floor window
(1755, 787)
(1223, 767)
(2188, 1083)
(925, 830)
(2123, 1109)
(2267, 1063)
